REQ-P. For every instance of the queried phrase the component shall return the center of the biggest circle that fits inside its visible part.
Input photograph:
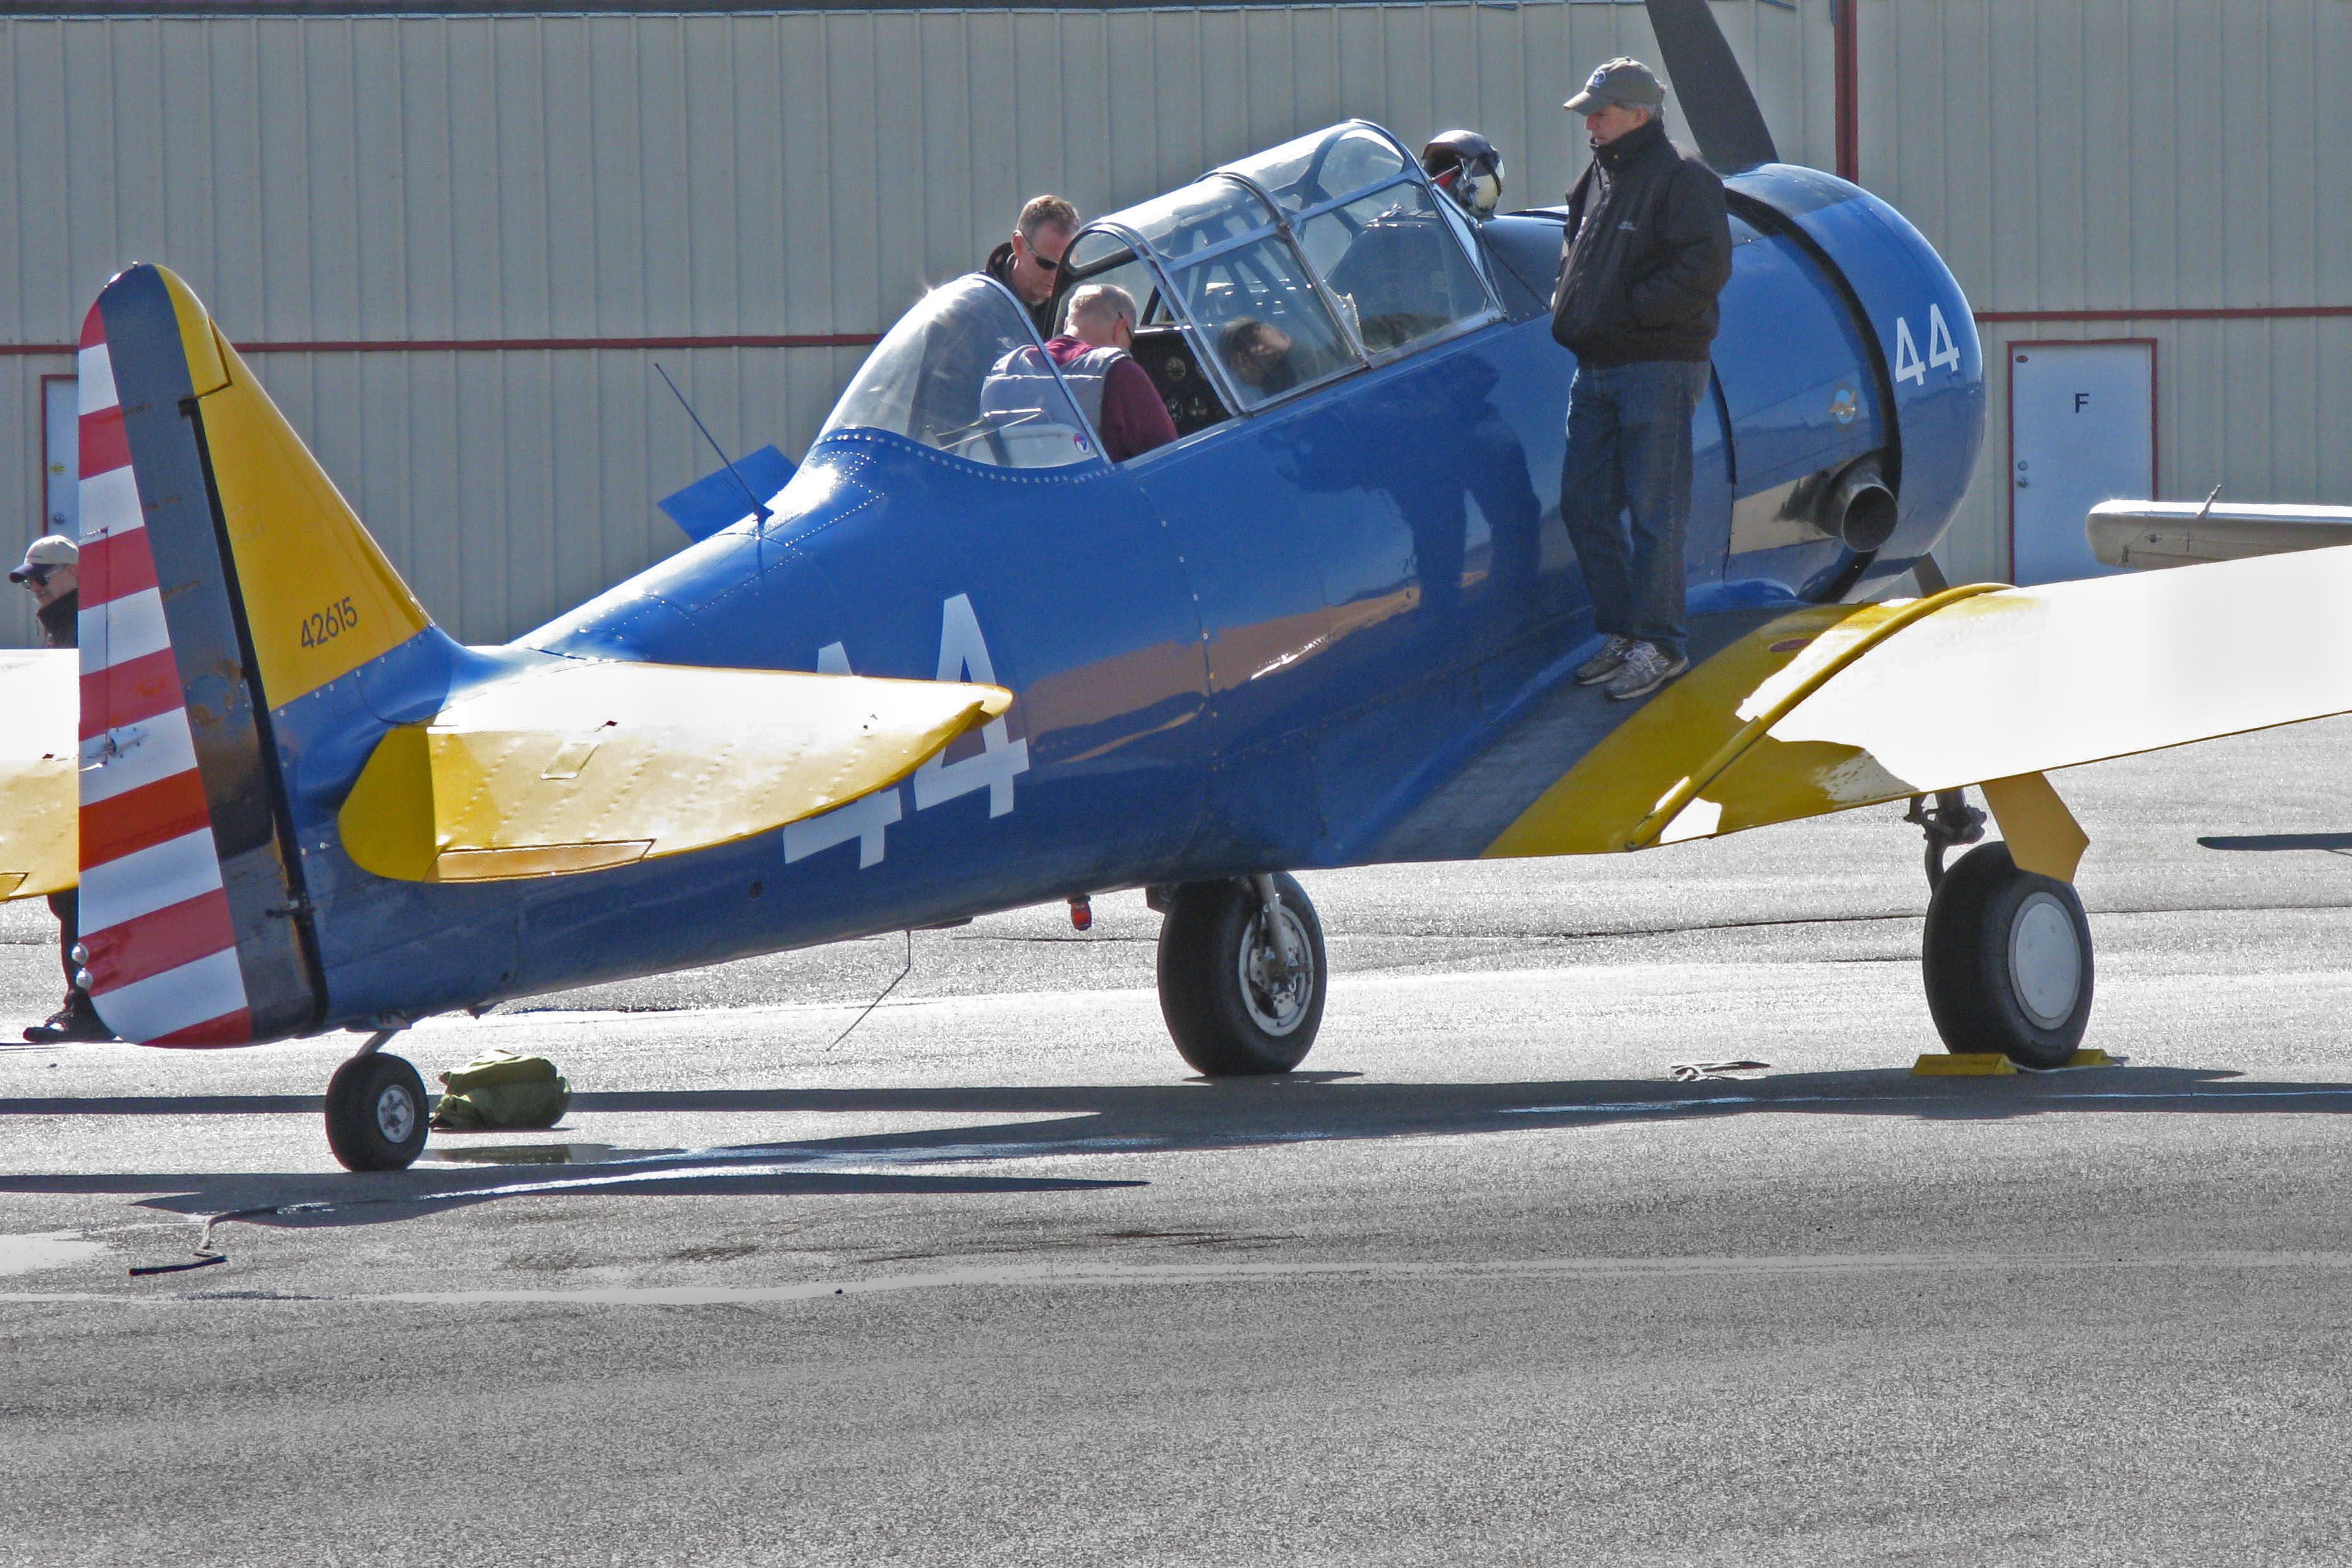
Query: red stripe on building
(104, 446)
(2158, 313)
(228, 1029)
(144, 817)
(164, 939)
(509, 346)
(116, 567)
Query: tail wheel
(2007, 961)
(376, 1115)
(1242, 994)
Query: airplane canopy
(1325, 255)
(1278, 272)
(962, 372)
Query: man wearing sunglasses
(1030, 263)
(49, 571)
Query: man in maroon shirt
(1111, 388)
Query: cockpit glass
(1204, 214)
(1264, 320)
(1092, 248)
(1323, 167)
(961, 371)
(1394, 266)
(1355, 259)
(1128, 275)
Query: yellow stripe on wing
(1597, 804)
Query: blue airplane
(963, 662)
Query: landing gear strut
(376, 1110)
(1242, 975)
(1948, 824)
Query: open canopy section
(962, 372)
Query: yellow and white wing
(40, 822)
(576, 766)
(1843, 706)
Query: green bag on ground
(500, 1088)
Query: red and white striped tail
(156, 920)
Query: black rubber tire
(377, 1113)
(1984, 908)
(1202, 941)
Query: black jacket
(999, 266)
(60, 619)
(1647, 250)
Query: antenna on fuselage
(759, 509)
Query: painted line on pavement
(1021, 1276)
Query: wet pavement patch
(46, 1249)
(529, 1154)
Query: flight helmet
(1465, 166)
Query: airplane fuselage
(1335, 632)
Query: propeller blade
(1716, 100)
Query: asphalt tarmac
(992, 1280)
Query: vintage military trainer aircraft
(967, 663)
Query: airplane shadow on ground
(2273, 843)
(1195, 1116)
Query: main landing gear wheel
(2007, 961)
(377, 1113)
(1243, 993)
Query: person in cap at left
(1648, 249)
(50, 571)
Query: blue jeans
(1629, 451)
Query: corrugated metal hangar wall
(457, 244)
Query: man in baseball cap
(1624, 81)
(51, 572)
(1647, 249)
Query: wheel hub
(395, 1113)
(2045, 960)
(1276, 987)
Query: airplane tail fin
(223, 576)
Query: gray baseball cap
(1622, 80)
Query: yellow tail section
(319, 598)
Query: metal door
(61, 445)
(2081, 429)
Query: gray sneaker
(1644, 670)
(1605, 663)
